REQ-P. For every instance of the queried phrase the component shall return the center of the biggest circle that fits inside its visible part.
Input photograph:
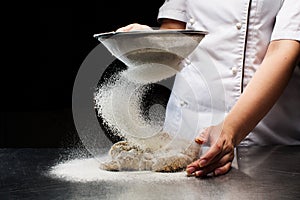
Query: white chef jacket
(217, 72)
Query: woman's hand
(257, 99)
(219, 157)
(134, 27)
(165, 24)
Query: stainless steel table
(262, 173)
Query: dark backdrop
(47, 48)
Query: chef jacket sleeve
(173, 9)
(287, 25)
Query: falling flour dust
(147, 150)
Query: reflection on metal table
(262, 173)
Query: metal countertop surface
(262, 173)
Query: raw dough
(160, 154)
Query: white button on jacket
(234, 70)
(224, 63)
(238, 25)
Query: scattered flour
(147, 151)
(119, 105)
(118, 102)
(148, 65)
(87, 170)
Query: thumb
(203, 136)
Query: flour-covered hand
(134, 27)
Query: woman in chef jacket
(254, 45)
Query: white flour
(149, 73)
(87, 170)
(118, 102)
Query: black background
(46, 47)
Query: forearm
(264, 89)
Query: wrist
(235, 130)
